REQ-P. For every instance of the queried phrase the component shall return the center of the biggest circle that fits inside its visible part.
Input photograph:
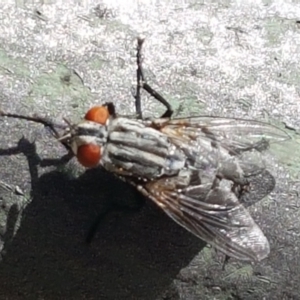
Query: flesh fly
(195, 169)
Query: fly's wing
(211, 142)
(236, 135)
(214, 215)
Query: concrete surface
(57, 58)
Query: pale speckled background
(228, 58)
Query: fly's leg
(141, 83)
(44, 121)
(239, 190)
(50, 125)
(47, 123)
(230, 169)
(240, 184)
(139, 76)
(28, 149)
(55, 162)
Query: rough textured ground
(228, 58)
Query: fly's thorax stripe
(124, 124)
(139, 128)
(131, 162)
(146, 143)
(134, 155)
(88, 128)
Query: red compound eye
(89, 155)
(98, 114)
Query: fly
(195, 169)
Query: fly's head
(87, 139)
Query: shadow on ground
(135, 253)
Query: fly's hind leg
(231, 170)
(141, 83)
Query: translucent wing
(211, 143)
(212, 214)
(233, 134)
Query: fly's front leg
(36, 119)
(29, 150)
(141, 83)
(52, 127)
(55, 162)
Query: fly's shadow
(133, 246)
(130, 247)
